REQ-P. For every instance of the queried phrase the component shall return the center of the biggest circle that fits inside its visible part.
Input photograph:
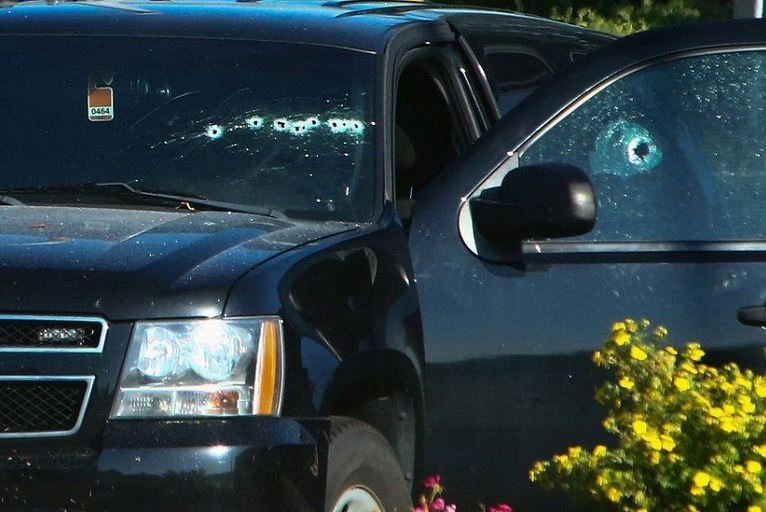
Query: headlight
(229, 367)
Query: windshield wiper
(192, 202)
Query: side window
(427, 131)
(676, 151)
(513, 73)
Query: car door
(669, 127)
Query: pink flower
(437, 504)
(419, 509)
(501, 507)
(450, 508)
(432, 481)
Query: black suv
(238, 238)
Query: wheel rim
(357, 499)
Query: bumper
(252, 464)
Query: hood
(135, 264)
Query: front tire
(363, 474)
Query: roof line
(342, 3)
(389, 9)
(106, 4)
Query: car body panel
(517, 327)
(165, 264)
(211, 465)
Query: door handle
(752, 315)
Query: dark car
(286, 255)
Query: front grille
(42, 405)
(50, 333)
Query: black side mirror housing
(536, 202)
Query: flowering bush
(689, 436)
(432, 500)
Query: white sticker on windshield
(100, 102)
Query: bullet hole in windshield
(271, 143)
(281, 125)
(641, 151)
(254, 122)
(350, 126)
(294, 126)
(214, 131)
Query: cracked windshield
(281, 128)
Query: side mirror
(536, 202)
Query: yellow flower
(697, 491)
(701, 479)
(743, 383)
(639, 427)
(537, 470)
(599, 451)
(575, 451)
(631, 325)
(694, 351)
(597, 357)
(715, 484)
(653, 440)
(601, 480)
(660, 332)
(760, 387)
(644, 323)
(620, 338)
(654, 458)
(748, 407)
(729, 409)
(681, 383)
(716, 412)
(668, 443)
(760, 450)
(563, 462)
(688, 367)
(613, 495)
(627, 383)
(753, 466)
(637, 353)
(753, 508)
(728, 424)
(618, 326)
